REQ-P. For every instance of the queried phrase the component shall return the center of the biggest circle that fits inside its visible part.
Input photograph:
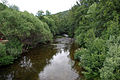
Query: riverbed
(48, 62)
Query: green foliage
(2, 50)
(2, 7)
(63, 24)
(92, 58)
(21, 29)
(14, 47)
(51, 24)
(95, 25)
(40, 13)
(111, 66)
(6, 60)
(80, 39)
(14, 7)
(48, 13)
(111, 70)
(92, 9)
(48, 20)
(4, 57)
(10, 51)
(97, 30)
(24, 26)
(80, 52)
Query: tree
(14, 7)
(23, 30)
(4, 2)
(48, 13)
(40, 13)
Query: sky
(32, 6)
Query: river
(48, 62)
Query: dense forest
(95, 25)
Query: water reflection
(60, 68)
(26, 62)
(48, 62)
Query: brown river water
(48, 62)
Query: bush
(14, 47)
(24, 26)
(111, 66)
(79, 53)
(5, 59)
(92, 58)
(2, 50)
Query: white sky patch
(32, 6)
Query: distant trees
(4, 2)
(40, 13)
(48, 13)
(14, 7)
(49, 20)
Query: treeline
(95, 24)
(23, 31)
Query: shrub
(14, 47)
(79, 53)
(111, 66)
(92, 58)
(5, 59)
(2, 50)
